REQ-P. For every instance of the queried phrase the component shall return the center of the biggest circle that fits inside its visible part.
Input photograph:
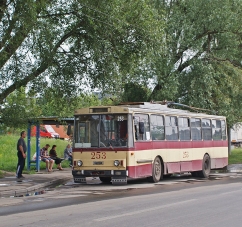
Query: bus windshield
(104, 130)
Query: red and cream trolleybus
(146, 140)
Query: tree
(134, 92)
(61, 44)
(202, 62)
(18, 109)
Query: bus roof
(141, 107)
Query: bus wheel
(206, 167)
(105, 179)
(157, 171)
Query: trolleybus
(146, 140)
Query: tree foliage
(202, 62)
(189, 50)
(134, 92)
(65, 44)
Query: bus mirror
(68, 130)
(141, 127)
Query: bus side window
(223, 125)
(171, 128)
(206, 129)
(217, 130)
(184, 128)
(141, 127)
(196, 129)
(157, 127)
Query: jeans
(20, 165)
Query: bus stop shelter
(37, 122)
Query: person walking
(53, 155)
(21, 148)
(68, 154)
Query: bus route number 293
(98, 155)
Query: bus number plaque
(98, 155)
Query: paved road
(181, 202)
(71, 193)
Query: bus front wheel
(206, 167)
(157, 171)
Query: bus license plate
(97, 163)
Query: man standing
(21, 148)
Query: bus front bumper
(99, 173)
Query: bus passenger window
(223, 125)
(196, 129)
(217, 130)
(206, 129)
(157, 127)
(184, 128)
(141, 127)
(171, 128)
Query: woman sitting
(53, 155)
(68, 154)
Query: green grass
(8, 151)
(236, 156)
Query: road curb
(36, 189)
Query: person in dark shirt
(21, 148)
(53, 155)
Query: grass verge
(8, 151)
(236, 156)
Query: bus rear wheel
(206, 167)
(157, 171)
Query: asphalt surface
(32, 183)
(38, 182)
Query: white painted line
(67, 196)
(144, 210)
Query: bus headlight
(116, 162)
(79, 163)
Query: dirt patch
(5, 174)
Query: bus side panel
(139, 163)
(218, 163)
(179, 144)
(177, 156)
(139, 171)
(173, 167)
(186, 166)
(197, 165)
